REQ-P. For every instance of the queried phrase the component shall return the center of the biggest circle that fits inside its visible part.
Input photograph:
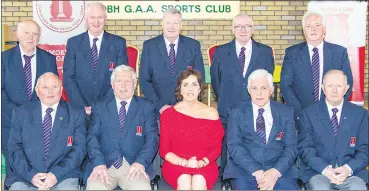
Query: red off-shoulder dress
(187, 137)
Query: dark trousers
(223, 156)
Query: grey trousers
(67, 184)
(320, 182)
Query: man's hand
(50, 180)
(269, 178)
(88, 110)
(331, 175)
(135, 170)
(258, 175)
(164, 108)
(37, 180)
(101, 171)
(192, 162)
(342, 173)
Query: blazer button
(94, 82)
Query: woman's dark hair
(184, 75)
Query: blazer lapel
(162, 49)
(131, 114)
(101, 66)
(249, 121)
(57, 129)
(275, 126)
(305, 66)
(254, 56)
(327, 129)
(180, 53)
(86, 52)
(16, 69)
(113, 113)
(36, 127)
(233, 58)
(344, 127)
(327, 54)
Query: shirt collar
(22, 52)
(92, 37)
(330, 107)
(118, 101)
(167, 42)
(320, 46)
(248, 45)
(44, 107)
(266, 107)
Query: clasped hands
(44, 181)
(337, 175)
(192, 162)
(266, 180)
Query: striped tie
(122, 119)
(260, 125)
(172, 58)
(94, 54)
(315, 68)
(46, 125)
(241, 59)
(28, 75)
(334, 122)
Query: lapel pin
(61, 118)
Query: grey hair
(242, 15)
(260, 73)
(172, 11)
(309, 13)
(102, 6)
(44, 75)
(334, 71)
(123, 68)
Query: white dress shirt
(98, 42)
(268, 118)
(167, 45)
(320, 48)
(33, 65)
(248, 52)
(120, 105)
(53, 113)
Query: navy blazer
(26, 145)
(83, 86)
(13, 84)
(248, 154)
(156, 81)
(103, 140)
(227, 81)
(318, 147)
(296, 75)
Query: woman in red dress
(191, 136)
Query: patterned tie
(172, 58)
(241, 59)
(28, 75)
(46, 125)
(260, 125)
(315, 68)
(94, 54)
(334, 122)
(122, 118)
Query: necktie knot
(49, 110)
(123, 103)
(243, 49)
(334, 110)
(28, 57)
(315, 50)
(95, 39)
(261, 111)
(172, 45)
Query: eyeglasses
(239, 27)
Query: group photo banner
(346, 26)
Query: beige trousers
(118, 177)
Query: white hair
(244, 15)
(334, 71)
(172, 11)
(102, 6)
(123, 68)
(44, 75)
(310, 13)
(260, 73)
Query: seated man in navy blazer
(261, 140)
(21, 66)
(306, 63)
(333, 139)
(164, 58)
(47, 142)
(123, 138)
(91, 58)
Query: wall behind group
(277, 24)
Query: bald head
(49, 89)
(28, 34)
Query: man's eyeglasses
(239, 28)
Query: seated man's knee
(198, 182)
(96, 185)
(19, 186)
(184, 182)
(319, 182)
(355, 183)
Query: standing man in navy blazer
(333, 139)
(306, 63)
(164, 58)
(123, 138)
(261, 140)
(91, 58)
(21, 66)
(47, 142)
(233, 63)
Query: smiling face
(243, 29)
(190, 88)
(123, 85)
(95, 19)
(260, 91)
(172, 25)
(314, 30)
